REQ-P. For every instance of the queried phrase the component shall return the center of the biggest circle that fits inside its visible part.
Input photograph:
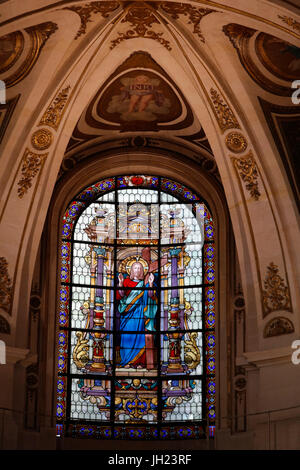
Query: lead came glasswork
(136, 312)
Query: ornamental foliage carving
(5, 286)
(290, 22)
(247, 169)
(276, 293)
(194, 14)
(54, 112)
(141, 18)
(225, 116)
(31, 165)
(88, 9)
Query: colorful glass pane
(136, 345)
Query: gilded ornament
(225, 116)
(5, 286)
(31, 165)
(276, 293)
(11, 48)
(41, 139)
(236, 142)
(141, 18)
(88, 9)
(278, 326)
(38, 34)
(54, 112)
(290, 22)
(246, 167)
(194, 14)
(240, 36)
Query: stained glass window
(136, 339)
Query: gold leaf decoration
(290, 22)
(5, 286)
(194, 14)
(88, 9)
(236, 142)
(141, 18)
(31, 165)
(246, 168)
(54, 112)
(225, 116)
(276, 294)
(39, 34)
(278, 326)
(41, 139)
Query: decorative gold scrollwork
(81, 350)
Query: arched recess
(188, 173)
(83, 86)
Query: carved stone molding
(4, 326)
(276, 294)
(38, 34)
(194, 14)
(31, 165)
(236, 142)
(5, 286)
(41, 139)
(225, 116)
(278, 326)
(141, 18)
(240, 36)
(54, 112)
(85, 12)
(247, 169)
(290, 22)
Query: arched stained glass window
(136, 315)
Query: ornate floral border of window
(92, 349)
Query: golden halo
(128, 262)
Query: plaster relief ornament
(194, 14)
(290, 22)
(55, 111)
(236, 142)
(247, 169)
(32, 163)
(141, 18)
(276, 295)
(140, 99)
(225, 116)
(85, 12)
(41, 139)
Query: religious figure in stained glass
(142, 308)
(137, 310)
